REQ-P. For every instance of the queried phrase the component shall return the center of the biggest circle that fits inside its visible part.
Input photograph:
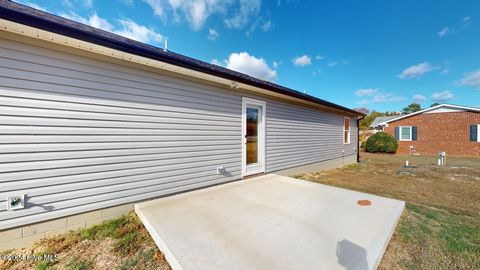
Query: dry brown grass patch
(121, 243)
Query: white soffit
(445, 109)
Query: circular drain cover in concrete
(364, 202)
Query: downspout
(358, 138)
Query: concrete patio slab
(271, 222)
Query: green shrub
(381, 142)
(363, 144)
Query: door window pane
(346, 130)
(252, 135)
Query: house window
(405, 133)
(475, 133)
(346, 130)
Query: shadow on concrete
(351, 256)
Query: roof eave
(48, 22)
(431, 109)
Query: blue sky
(382, 55)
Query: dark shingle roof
(42, 20)
(381, 119)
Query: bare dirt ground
(116, 244)
(440, 228)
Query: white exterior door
(253, 136)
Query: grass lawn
(440, 227)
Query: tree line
(371, 115)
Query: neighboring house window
(474, 130)
(406, 133)
(346, 130)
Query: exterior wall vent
(15, 202)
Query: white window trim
(261, 136)
(349, 130)
(400, 134)
(478, 131)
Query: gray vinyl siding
(297, 136)
(78, 134)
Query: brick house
(450, 128)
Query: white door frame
(260, 166)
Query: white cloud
(88, 3)
(445, 31)
(279, 2)
(275, 64)
(471, 79)
(235, 13)
(445, 69)
(363, 102)
(332, 63)
(251, 65)
(319, 57)
(466, 21)
(317, 72)
(301, 61)
(387, 98)
(267, 26)
(443, 96)
(94, 20)
(419, 98)
(33, 5)
(374, 95)
(247, 9)
(415, 71)
(366, 92)
(67, 3)
(157, 7)
(212, 34)
(195, 12)
(128, 2)
(131, 29)
(126, 27)
(216, 62)
(75, 3)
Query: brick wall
(436, 132)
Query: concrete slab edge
(174, 264)
(172, 261)
(397, 213)
(307, 183)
